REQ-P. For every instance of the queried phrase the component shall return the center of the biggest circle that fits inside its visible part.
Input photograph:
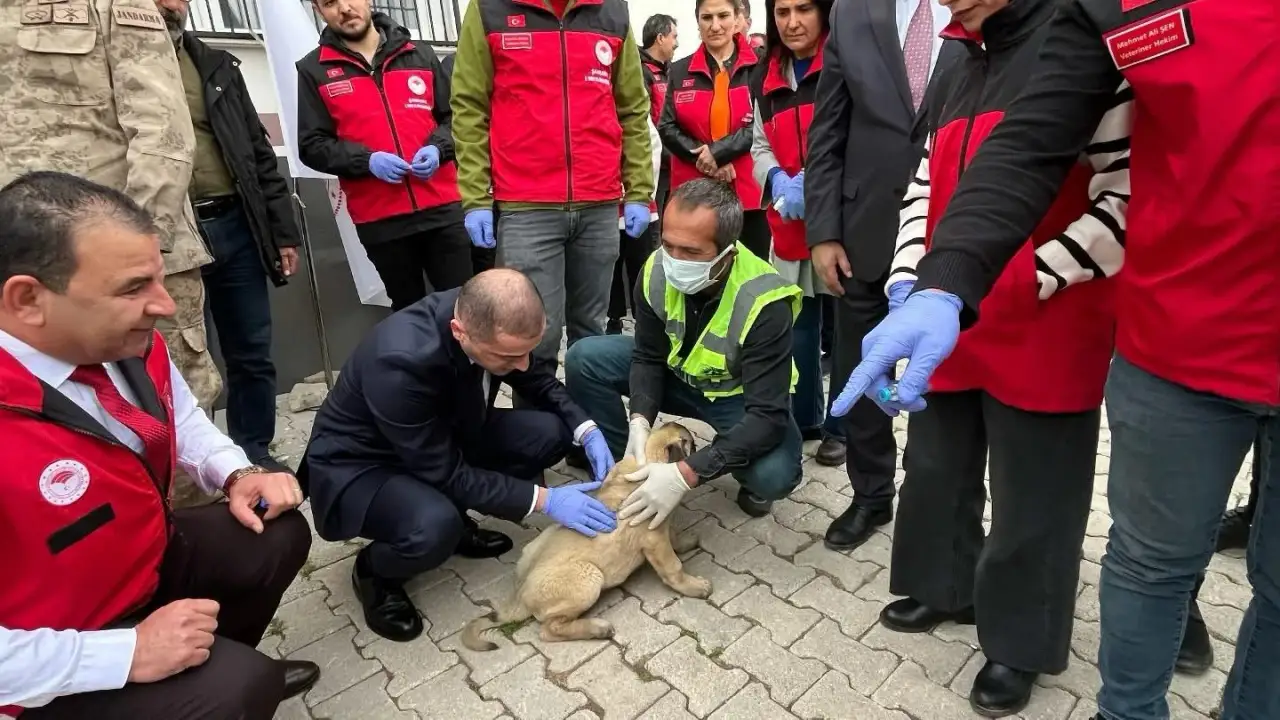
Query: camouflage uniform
(93, 88)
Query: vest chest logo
(64, 482)
(604, 53)
(687, 83)
(517, 41)
(685, 96)
(417, 85)
(659, 89)
(333, 73)
(1150, 39)
(342, 87)
(515, 21)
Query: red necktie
(154, 433)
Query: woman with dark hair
(783, 93)
(706, 117)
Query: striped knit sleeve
(909, 247)
(1093, 246)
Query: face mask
(690, 276)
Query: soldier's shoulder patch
(37, 15)
(138, 17)
(71, 14)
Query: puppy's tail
(473, 634)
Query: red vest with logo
(1197, 299)
(84, 520)
(386, 109)
(655, 77)
(554, 133)
(785, 115)
(1043, 356)
(692, 87)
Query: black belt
(215, 207)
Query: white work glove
(636, 440)
(664, 486)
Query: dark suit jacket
(408, 399)
(865, 141)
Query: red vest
(692, 87)
(554, 133)
(786, 115)
(387, 111)
(656, 78)
(1042, 356)
(84, 521)
(1197, 299)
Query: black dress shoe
(299, 676)
(831, 452)
(752, 505)
(908, 616)
(1195, 656)
(1234, 532)
(387, 608)
(476, 542)
(613, 327)
(1000, 690)
(855, 526)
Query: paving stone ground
(789, 632)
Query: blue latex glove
(793, 196)
(479, 224)
(635, 218)
(898, 293)
(924, 331)
(598, 453)
(778, 185)
(572, 507)
(425, 162)
(388, 167)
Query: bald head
(501, 300)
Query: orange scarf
(720, 105)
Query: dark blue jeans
(1174, 456)
(597, 374)
(808, 404)
(238, 305)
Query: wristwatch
(234, 477)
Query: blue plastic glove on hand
(635, 217)
(425, 162)
(479, 225)
(793, 197)
(778, 186)
(898, 293)
(598, 454)
(572, 507)
(388, 167)
(924, 332)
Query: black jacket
(247, 151)
(409, 397)
(865, 141)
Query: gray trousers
(569, 256)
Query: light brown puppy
(562, 572)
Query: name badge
(517, 41)
(1151, 39)
(685, 96)
(342, 87)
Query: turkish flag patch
(333, 73)
(516, 21)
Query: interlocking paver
(790, 629)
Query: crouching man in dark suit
(409, 440)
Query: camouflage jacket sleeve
(151, 107)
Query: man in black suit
(409, 440)
(864, 144)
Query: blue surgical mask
(690, 276)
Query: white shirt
(941, 18)
(37, 666)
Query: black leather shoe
(831, 452)
(477, 542)
(613, 327)
(1000, 690)
(855, 526)
(1234, 533)
(387, 608)
(1195, 657)
(908, 616)
(752, 505)
(299, 676)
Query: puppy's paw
(696, 587)
(601, 628)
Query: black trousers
(756, 234)
(416, 527)
(1021, 578)
(872, 452)
(406, 264)
(632, 255)
(212, 556)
